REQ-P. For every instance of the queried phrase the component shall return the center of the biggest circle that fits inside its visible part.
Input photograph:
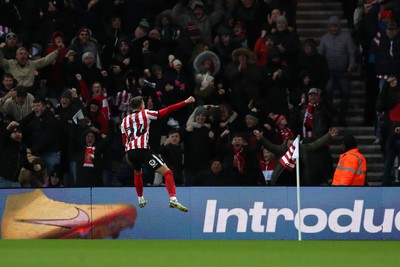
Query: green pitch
(190, 253)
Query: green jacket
(280, 150)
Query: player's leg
(170, 185)
(137, 178)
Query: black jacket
(12, 156)
(41, 134)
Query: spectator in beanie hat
(198, 145)
(12, 44)
(282, 131)
(13, 155)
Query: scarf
(285, 133)
(308, 118)
(89, 156)
(267, 168)
(238, 160)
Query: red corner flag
(289, 159)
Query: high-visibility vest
(351, 169)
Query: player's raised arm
(165, 111)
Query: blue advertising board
(226, 213)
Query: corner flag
(296, 148)
(289, 159)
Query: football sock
(137, 179)
(170, 183)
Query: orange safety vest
(351, 169)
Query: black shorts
(139, 157)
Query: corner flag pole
(297, 155)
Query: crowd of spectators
(69, 69)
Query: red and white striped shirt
(135, 127)
(123, 98)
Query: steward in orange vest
(352, 166)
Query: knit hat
(87, 54)
(83, 29)
(15, 128)
(349, 142)
(11, 35)
(176, 62)
(268, 36)
(278, 118)
(124, 42)
(58, 34)
(144, 24)
(282, 19)
(59, 4)
(192, 29)
(66, 94)
(155, 68)
(386, 14)
(197, 3)
(252, 115)
(334, 20)
(314, 91)
(200, 110)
